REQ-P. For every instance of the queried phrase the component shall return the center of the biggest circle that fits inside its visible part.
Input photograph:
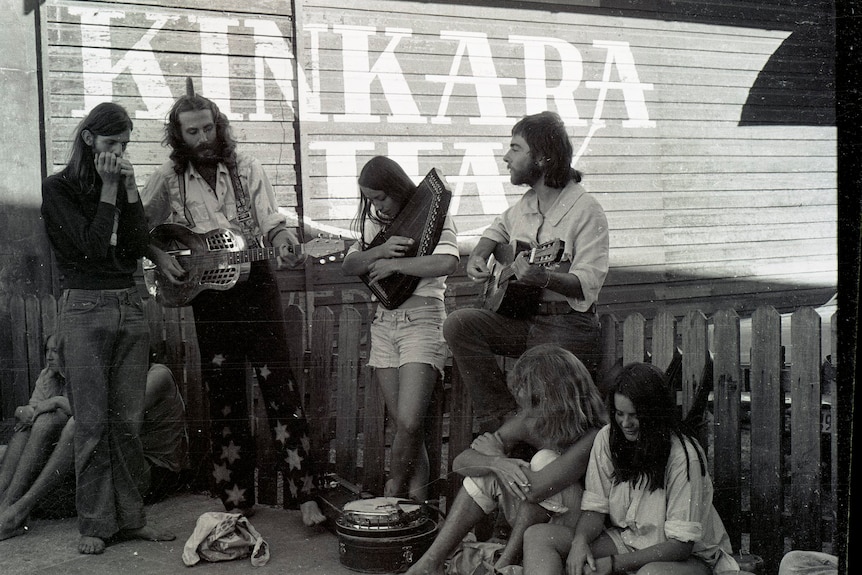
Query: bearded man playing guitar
(553, 303)
(208, 185)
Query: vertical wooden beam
(320, 372)
(805, 429)
(20, 391)
(610, 351)
(634, 339)
(347, 395)
(767, 426)
(374, 433)
(35, 342)
(833, 443)
(694, 355)
(663, 340)
(728, 393)
(460, 429)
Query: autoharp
(421, 218)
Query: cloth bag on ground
(478, 558)
(220, 536)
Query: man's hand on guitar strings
(477, 269)
(169, 266)
(528, 273)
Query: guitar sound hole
(220, 277)
(225, 242)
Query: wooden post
(347, 395)
(728, 390)
(833, 443)
(374, 432)
(21, 387)
(320, 371)
(663, 340)
(805, 429)
(460, 429)
(695, 352)
(610, 352)
(634, 339)
(767, 425)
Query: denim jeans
(104, 351)
(477, 336)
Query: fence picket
(663, 340)
(634, 339)
(347, 386)
(727, 474)
(767, 425)
(805, 429)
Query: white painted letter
(536, 79)
(483, 77)
(358, 77)
(271, 49)
(139, 61)
(481, 160)
(620, 53)
(341, 174)
(215, 69)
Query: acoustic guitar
(502, 293)
(217, 260)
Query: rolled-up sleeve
(599, 478)
(590, 247)
(687, 505)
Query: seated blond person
(163, 437)
(38, 426)
(559, 413)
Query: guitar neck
(258, 254)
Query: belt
(559, 307)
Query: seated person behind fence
(560, 411)
(648, 496)
(163, 437)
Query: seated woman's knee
(49, 423)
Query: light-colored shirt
(206, 209)
(49, 384)
(578, 220)
(682, 511)
(448, 245)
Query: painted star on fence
(221, 473)
(218, 359)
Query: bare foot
(91, 545)
(146, 533)
(311, 514)
(12, 523)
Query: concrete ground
(49, 546)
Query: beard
(209, 154)
(527, 176)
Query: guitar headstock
(325, 249)
(547, 253)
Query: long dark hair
(385, 175)
(192, 102)
(645, 460)
(550, 146)
(106, 119)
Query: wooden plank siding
(143, 53)
(704, 204)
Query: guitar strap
(243, 209)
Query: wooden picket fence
(769, 484)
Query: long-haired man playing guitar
(208, 185)
(562, 307)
